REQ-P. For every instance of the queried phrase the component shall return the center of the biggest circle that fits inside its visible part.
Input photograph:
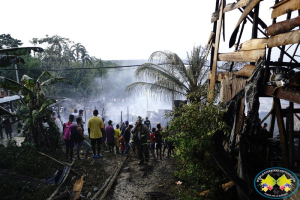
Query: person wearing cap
(147, 123)
(124, 128)
(141, 138)
(126, 137)
(95, 130)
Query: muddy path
(145, 181)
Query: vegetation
(34, 109)
(168, 76)
(6, 41)
(192, 132)
(65, 59)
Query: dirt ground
(146, 181)
(152, 181)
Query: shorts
(152, 145)
(96, 140)
(69, 144)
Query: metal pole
(17, 75)
(85, 118)
(128, 113)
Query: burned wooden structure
(247, 150)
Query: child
(117, 138)
(121, 141)
(158, 140)
(152, 144)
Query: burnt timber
(246, 151)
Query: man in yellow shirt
(95, 129)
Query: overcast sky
(120, 29)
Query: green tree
(191, 133)
(34, 109)
(6, 41)
(166, 75)
(80, 54)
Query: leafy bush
(192, 133)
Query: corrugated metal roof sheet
(9, 98)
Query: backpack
(67, 131)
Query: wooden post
(291, 136)
(238, 42)
(255, 24)
(215, 59)
(281, 131)
(267, 71)
(283, 47)
(272, 119)
(214, 37)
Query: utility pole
(17, 75)
(121, 117)
(127, 113)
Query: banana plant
(39, 127)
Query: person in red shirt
(152, 144)
(265, 126)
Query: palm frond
(55, 80)
(153, 90)
(154, 72)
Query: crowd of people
(119, 140)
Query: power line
(80, 68)
(68, 69)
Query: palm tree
(167, 76)
(86, 59)
(78, 51)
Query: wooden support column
(272, 119)
(255, 24)
(238, 42)
(267, 71)
(283, 47)
(214, 37)
(280, 123)
(291, 136)
(215, 59)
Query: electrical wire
(70, 69)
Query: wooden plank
(212, 34)
(245, 71)
(214, 17)
(282, 93)
(279, 3)
(229, 7)
(288, 5)
(296, 110)
(242, 56)
(258, 43)
(247, 10)
(284, 39)
(283, 27)
(77, 188)
(281, 131)
(226, 89)
(215, 59)
(232, 6)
